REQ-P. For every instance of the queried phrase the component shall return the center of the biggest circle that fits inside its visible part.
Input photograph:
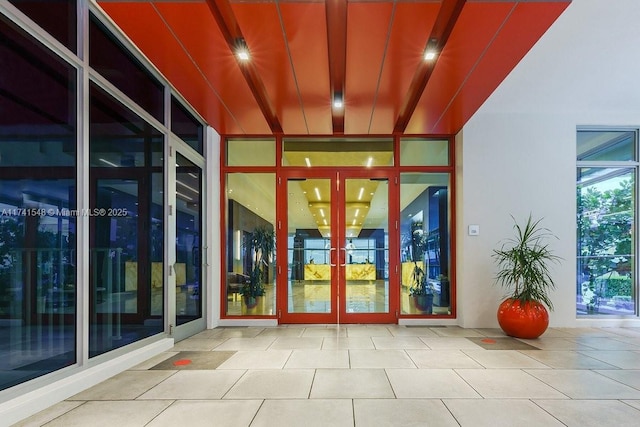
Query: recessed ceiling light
(338, 102)
(242, 51)
(429, 55)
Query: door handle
(330, 263)
(345, 257)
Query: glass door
(187, 264)
(337, 237)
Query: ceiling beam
(226, 19)
(442, 28)
(336, 11)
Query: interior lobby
(286, 212)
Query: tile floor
(372, 375)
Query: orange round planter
(523, 320)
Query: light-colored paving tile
(240, 332)
(507, 384)
(127, 385)
(209, 333)
(325, 332)
(260, 343)
(281, 332)
(503, 359)
(195, 385)
(491, 332)
(591, 413)
(619, 359)
(605, 343)
(289, 343)
(351, 384)
(413, 331)
(450, 343)
(198, 344)
(347, 343)
(150, 363)
(380, 359)
(259, 359)
(273, 384)
(53, 412)
(370, 331)
(560, 359)
(456, 331)
(582, 384)
(630, 377)
(402, 412)
(428, 384)
(442, 359)
(110, 413)
(586, 332)
(632, 403)
(312, 359)
(305, 412)
(499, 413)
(384, 343)
(202, 413)
(556, 343)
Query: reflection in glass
(312, 152)
(251, 152)
(188, 266)
(366, 246)
(606, 145)
(424, 152)
(127, 230)
(38, 255)
(57, 17)
(251, 212)
(606, 250)
(309, 252)
(424, 244)
(185, 126)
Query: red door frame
(338, 313)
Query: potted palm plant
(262, 243)
(523, 268)
(421, 290)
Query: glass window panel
(251, 212)
(424, 244)
(37, 231)
(424, 152)
(186, 126)
(338, 152)
(606, 235)
(108, 57)
(251, 152)
(57, 17)
(606, 145)
(120, 137)
(127, 231)
(188, 240)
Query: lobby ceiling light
(338, 102)
(242, 51)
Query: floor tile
(503, 359)
(491, 332)
(289, 343)
(347, 343)
(351, 384)
(581, 384)
(281, 332)
(110, 413)
(150, 363)
(632, 403)
(371, 331)
(261, 343)
(559, 359)
(195, 385)
(124, 386)
(198, 344)
(428, 384)
(455, 331)
(628, 376)
(273, 384)
(556, 343)
(508, 384)
(325, 332)
(501, 343)
(442, 359)
(413, 331)
(586, 332)
(198, 360)
(402, 412)
(383, 343)
(240, 332)
(48, 414)
(380, 359)
(590, 413)
(307, 413)
(312, 359)
(259, 359)
(209, 333)
(499, 413)
(450, 343)
(619, 359)
(200, 413)
(604, 343)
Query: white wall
(517, 153)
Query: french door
(336, 225)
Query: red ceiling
(288, 84)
